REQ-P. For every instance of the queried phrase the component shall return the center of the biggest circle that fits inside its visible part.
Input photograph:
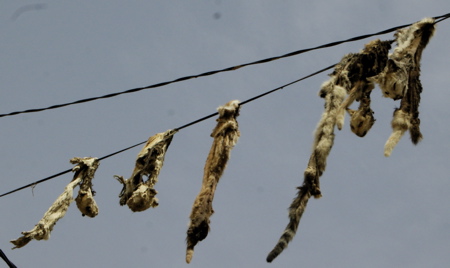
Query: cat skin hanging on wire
(352, 74)
(323, 141)
(84, 171)
(400, 80)
(225, 134)
(85, 198)
(136, 193)
(349, 76)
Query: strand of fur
(401, 79)
(86, 167)
(226, 135)
(323, 142)
(136, 193)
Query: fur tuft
(400, 123)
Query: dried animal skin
(86, 167)
(349, 77)
(362, 120)
(85, 199)
(86, 203)
(136, 193)
(354, 72)
(393, 80)
(226, 135)
(400, 79)
(360, 92)
(296, 210)
(324, 134)
(323, 142)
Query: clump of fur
(400, 79)
(84, 170)
(225, 134)
(136, 193)
(353, 74)
(362, 120)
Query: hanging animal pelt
(85, 198)
(349, 76)
(352, 73)
(323, 141)
(400, 80)
(225, 134)
(138, 194)
(84, 170)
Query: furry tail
(189, 254)
(195, 234)
(400, 123)
(414, 130)
(296, 210)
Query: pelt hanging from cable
(226, 135)
(349, 76)
(136, 193)
(352, 73)
(85, 198)
(400, 80)
(323, 141)
(84, 171)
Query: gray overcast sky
(375, 211)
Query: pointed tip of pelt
(189, 254)
(340, 118)
(387, 152)
(270, 258)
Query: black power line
(3, 256)
(179, 128)
(217, 71)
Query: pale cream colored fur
(400, 124)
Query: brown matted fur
(84, 170)
(353, 74)
(226, 135)
(136, 193)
